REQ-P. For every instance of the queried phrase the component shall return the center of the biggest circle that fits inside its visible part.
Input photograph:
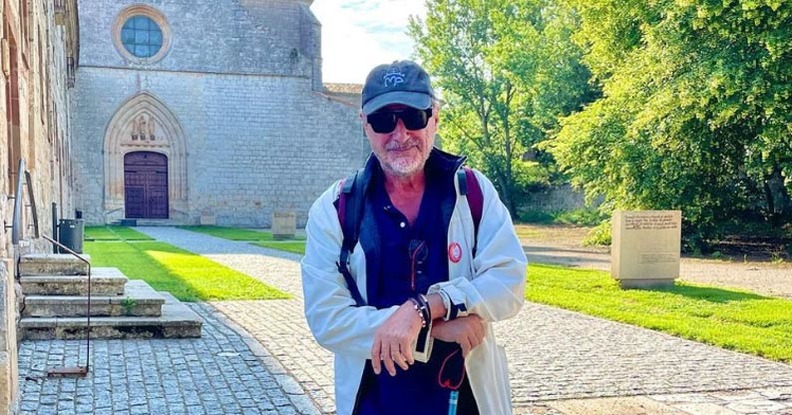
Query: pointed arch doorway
(155, 172)
(146, 185)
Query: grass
(114, 233)
(734, 320)
(258, 238)
(189, 277)
(234, 234)
(296, 247)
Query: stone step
(104, 281)
(158, 222)
(177, 321)
(52, 264)
(138, 300)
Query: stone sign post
(284, 225)
(645, 247)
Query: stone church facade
(205, 111)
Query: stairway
(55, 288)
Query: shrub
(600, 235)
(536, 216)
(580, 217)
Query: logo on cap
(393, 77)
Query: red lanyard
(453, 399)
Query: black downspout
(55, 226)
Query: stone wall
(555, 199)
(262, 37)
(34, 127)
(256, 142)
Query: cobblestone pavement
(560, 362)
(218, 374)
(285, 334)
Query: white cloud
(360, 34)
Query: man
(416, 268)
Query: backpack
(350, 213)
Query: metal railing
(23, 180)
(16, 236)
(76, 371)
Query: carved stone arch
(144, 123)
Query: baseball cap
(401, 82)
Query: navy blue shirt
(409, 260)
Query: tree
(695, 113)
(505, 69)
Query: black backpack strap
(470, 188)
(350, 214)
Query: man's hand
(393, 340)
(468, 331)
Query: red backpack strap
(470, 188)
(349, 215)
(475, 196)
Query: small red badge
(454, 252)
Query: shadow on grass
(188, 276)
(235, 234)
(711, 294)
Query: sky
(358, 35)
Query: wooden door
(146, 185)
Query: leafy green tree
(695, 113)
(506, 70)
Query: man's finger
(375, 355)
(408, 355)
(474, 341)
(400, 360)
(465, 344)
(387, 360)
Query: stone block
(284, 224)
(645, 247)
(138, 300)
(208, 220)
(104, 281)
(177, 321)
(7, 380)
(52, 264)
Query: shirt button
(402, 225)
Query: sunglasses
(384, 122)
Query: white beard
(403, 166)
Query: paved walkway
(224, 372)
(560, 362)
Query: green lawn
(189, 277)
(114, 233)
(735, 320)
(296, 247)
(234, 234)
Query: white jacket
(492, 286)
